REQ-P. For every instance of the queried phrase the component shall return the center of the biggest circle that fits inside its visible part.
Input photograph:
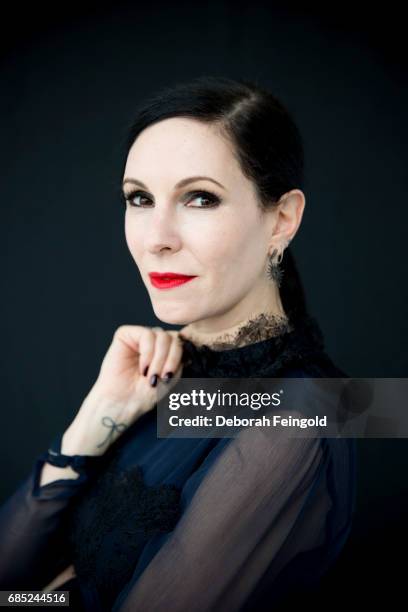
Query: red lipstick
(167, 280)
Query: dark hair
(266, 140)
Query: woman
(125, 520)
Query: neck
(238, 328)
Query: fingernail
(167, 376)
(145, 370)
(153, 380)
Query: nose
(161, 231)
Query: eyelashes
(212, 199)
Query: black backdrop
(70, 77)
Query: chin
(167, 315)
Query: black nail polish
(153, 380)
(145, 370)
(167, 376)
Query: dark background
(70, 78)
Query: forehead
(179, 147)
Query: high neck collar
(257, 328)
(268, 357)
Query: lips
(167, 280)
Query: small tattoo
(107, 421)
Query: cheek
(133, 237)
(229, 246)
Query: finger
(125, 344)
(165, 388)
(173, 359)
(146, 349)
(161, 348)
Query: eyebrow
(181, 183)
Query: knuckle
(175, 334)
(162, 339)
(119, 330)
(176, 342)
(146, 333)
(173, 358)
(127, 328)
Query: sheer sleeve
(239, 514)
(32, 535)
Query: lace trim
(297, 345)
(111, 522)
(258, 328)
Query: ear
(289, 212)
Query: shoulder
(303, 352)
(320, 365)
(270, 458)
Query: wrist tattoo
(107, 421)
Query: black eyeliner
(212, 197)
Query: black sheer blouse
(181, 524)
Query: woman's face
(223, 243)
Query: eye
(212, 199)
(132, 195)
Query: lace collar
(294, 345)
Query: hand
(136, 360)
(123, 376)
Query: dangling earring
(275, 272)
